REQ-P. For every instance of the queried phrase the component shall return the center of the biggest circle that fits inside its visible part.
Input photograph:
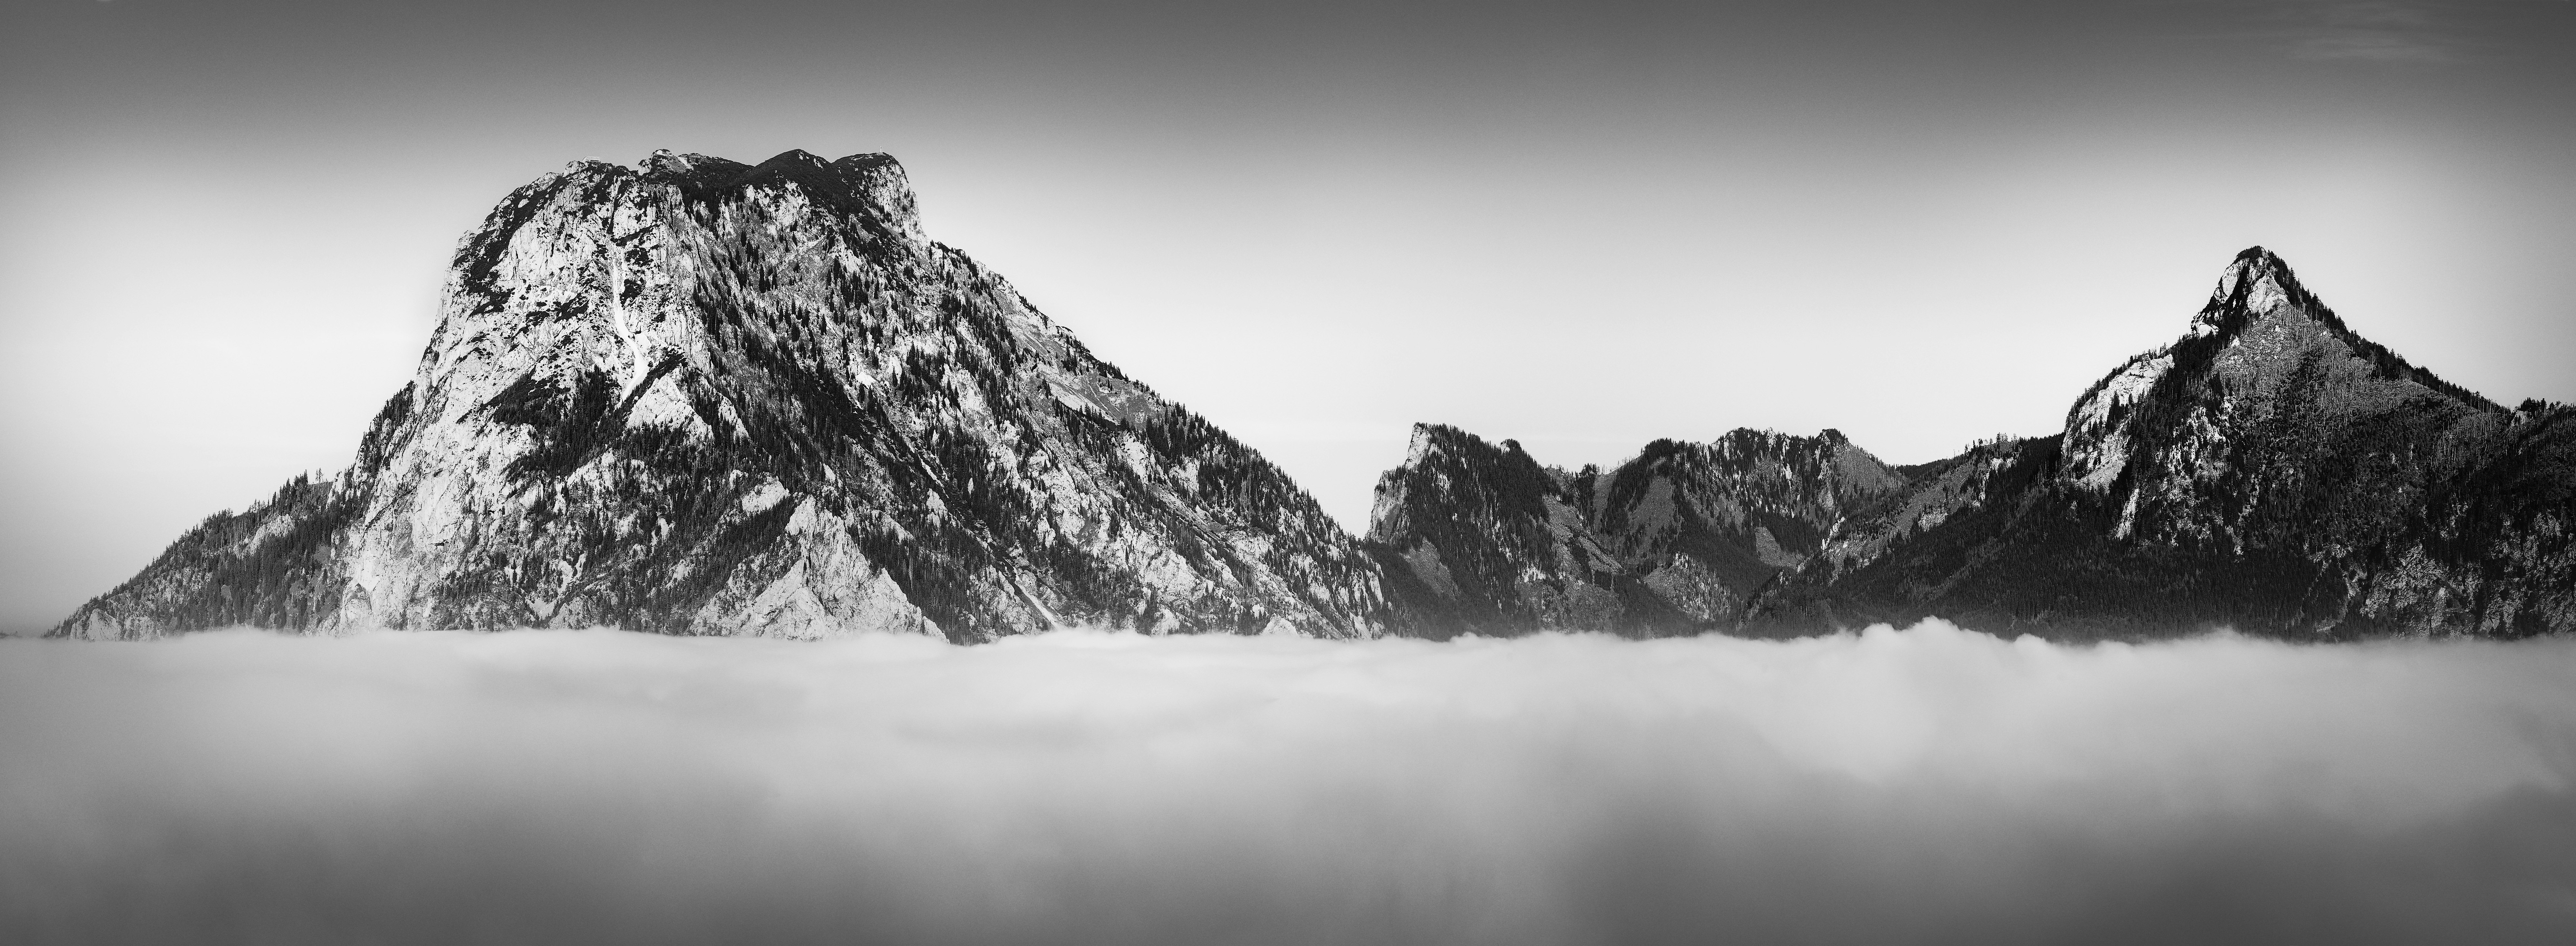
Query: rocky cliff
(696, 396)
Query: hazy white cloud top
(1932, 785)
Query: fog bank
(1930, 785)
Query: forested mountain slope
(2271, 471)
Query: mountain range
(696, 396)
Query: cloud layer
(1931, 785)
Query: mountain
(2270, 471)
(701, 397)
(696, 396)
(1478, 538)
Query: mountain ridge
(701, 396)
(2271, 471)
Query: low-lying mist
(1929, 785)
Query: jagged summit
(2259, 294)
(2257, 282)
(2259, 331)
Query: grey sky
(1580, 225)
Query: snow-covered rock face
(701, 397)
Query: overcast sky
(1584, 226)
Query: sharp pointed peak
(2257, 263)
(2258, 256)
(2260, 273)
(2258, 283)
(2255, 282)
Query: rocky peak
(2256, 283)
(2261, 337)
(1427, 438)
(1446, 468)
(2270, 470)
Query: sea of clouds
(1928, 785)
